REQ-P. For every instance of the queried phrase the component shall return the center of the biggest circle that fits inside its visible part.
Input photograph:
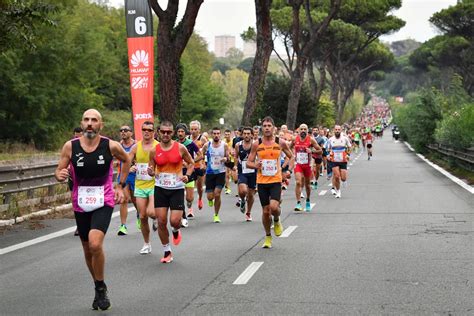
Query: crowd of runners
(167, 172)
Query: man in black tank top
(93, 196)
(247, 177)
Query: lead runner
(93, 197)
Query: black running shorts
(269, 191)
(98, 219)
(172, 199)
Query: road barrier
(464, 158)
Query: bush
(456, 129)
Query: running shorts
(214, 181)
(98, 219)
(172, 199)
(304, 169)
(143, 193)
(269, 191)
(341, 165)
(190, 184)
(250, 179)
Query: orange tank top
(269, 156)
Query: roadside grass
(15, 151)
(461, 173)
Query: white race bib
(167, 180)
(90, 198)
(216, 162)
(269, 167)
(338, 157)
(246, 170)
(142, 172)
(302, 158)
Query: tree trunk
(346, 94)
(312, 81)
(294, 97)
(322, 81)
(171, 43)
(256, 81)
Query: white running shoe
(333, 191)
(302, 195)
(146, 249)
(338, 194)
(184, 222)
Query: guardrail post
(7, 198)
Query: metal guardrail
(465, 157)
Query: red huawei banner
(140, 62)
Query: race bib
(167, 180)
(269, 167)
(142, 172)
(216, 163)
(338, 157)
(90, 198)
(246, 170)
(302, 158)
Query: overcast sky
(231, 17)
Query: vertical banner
(139, 23)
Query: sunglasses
(166, 132)
(124, 130)
(147, 130)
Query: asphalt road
(399, 241)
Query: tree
(173, 39)
(246, 64)
(404, 47)
(257, 75)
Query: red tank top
(302, 157)
(169, 161)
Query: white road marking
(329, 184)
(248, 273)
(323, 192)
(288, 231)
(456, 180)
(47, 237)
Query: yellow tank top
(229, 147)
(269, 155)
(143, 180)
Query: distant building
(250, 48)
(222, 44)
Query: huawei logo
(140, 56)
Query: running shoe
(242, 206)
(284, 187)
(228, 191)
(190, 213)
(139, 224)
(298, 207)
(155, 225)
(216, 218)
(200, 204)
(333, 191)
(278, 228)
(210, 203)
(76, 233)
(268, 242)
(122, 230)
(248, 217)
(176, 237)
(315, 185)
(238, 202)
(338, 194)
(302, 195)
(101, 299)
(308, 206)
(184, 222)
(167, 259)
(146, 249)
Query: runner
(303, 145)
(247, 176)
(144, 184)
(319, 159)
(166, 164)
(199, 167)
(339, 148)
(269, 177)
(182, 130)
(256, 132)
(217, 154)
(93, 195)
(369, 140)
(127, 143)
(231, 170)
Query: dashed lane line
(323, 192)
(288, 231)
(47, 237)
(248, 273)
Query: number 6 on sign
(140, 25)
